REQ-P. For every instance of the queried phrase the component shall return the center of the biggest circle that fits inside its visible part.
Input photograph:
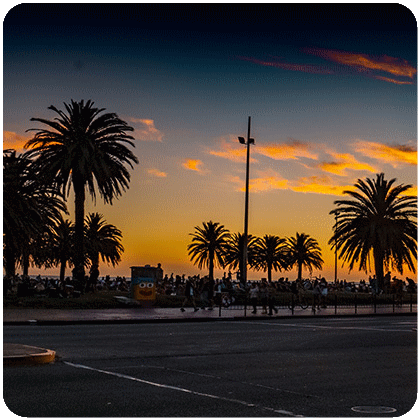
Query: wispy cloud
(395, 81)
(290, 150)
(389, 69)
(278, 63)
(293, 149)
(156, 173)
(319, 185)
(413, 192)
(194, 165)
(343, 162)
(395, 155)
(271, 180)
(368, 64)
(229, 148)
(12, 140)
(145, 130)
(266, 181)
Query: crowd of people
(54, 287)
(210, 292)
(225, 291)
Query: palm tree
(61, 245)
(207, 248)
(82, 148)
(303, 251)
(234, 251)
(102, 240)
(270, 254)
(30, 208)
(379, 223)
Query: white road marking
(325, 327)
(176, 388)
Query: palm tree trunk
(10, 257)
(269, 267)
(378, 256)
(63, 264)
(211, 265)
(299, 271)
(79, 209)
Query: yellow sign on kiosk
(144, 282)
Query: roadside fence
(336, 301)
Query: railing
(358, 302)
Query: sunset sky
(331, 91)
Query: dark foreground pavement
(14, 354)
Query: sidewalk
(144, 314)
(17, 354)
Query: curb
(19, 355)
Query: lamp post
(248, 141)
(336, 213)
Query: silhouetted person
(189, 295)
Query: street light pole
(245, 251)
(335, 246)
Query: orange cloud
(306, 68)
(11, 140)
(344, 162)
(267, 181)
(285, 151)
(147, 130)
(394, 155)
(271, 180)
(363, 62)
(193, 165)
(319, 185)
(293, 149)
(231, 149)
(156, 173)
(395, 81)
(412, 192)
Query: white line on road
(176, 388)
(325, 327)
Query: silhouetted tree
(379, 222)
(102, 240)
(61, 245)
(270, 254)
(83, 148)
(234, 251)
(208, 245)
(30, 208)
(303, 251)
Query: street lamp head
(251, 141)
(241, 140)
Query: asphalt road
(281, 367)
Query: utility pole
(248, 142)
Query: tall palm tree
(379, 222)
(303, 251)
(30, 207)
(270, 254)
(84, 147)
(234, 251)
(102, 240)
(207, 248)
